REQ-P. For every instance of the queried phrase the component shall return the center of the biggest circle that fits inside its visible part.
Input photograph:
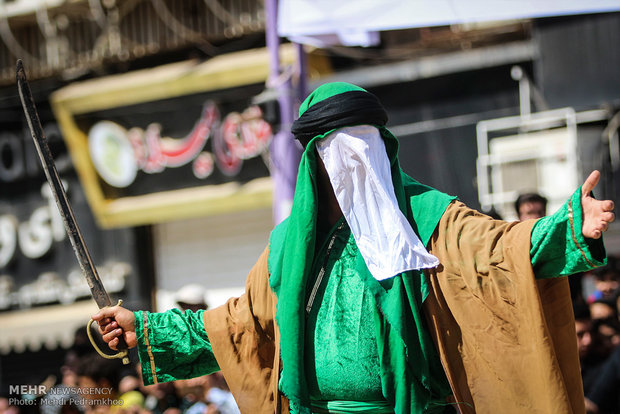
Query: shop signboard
(177, 141)
(37, 263)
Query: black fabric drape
(345, 109)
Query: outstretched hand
(597, 214)
(115, 321)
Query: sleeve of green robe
(557, 246)
(173, 345)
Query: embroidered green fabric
(178, 343)
(558, 247)
(341, 356)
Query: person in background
(130, 395)
(603, 309)
(608, 331)
(588, 345)
(160, 397)
(603, 396)
(98, 379)
(192, 297)
(606, 281)
(219, 395)
(530, 206)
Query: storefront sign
(29, 245)
(178, 141)
(37, 262)
(119, 153)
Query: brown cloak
(506, 340)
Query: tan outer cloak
(507, 341)
(246, 344)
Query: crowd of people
(90, 384)
(598, 338)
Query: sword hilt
(122, 348)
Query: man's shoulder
(426, 204)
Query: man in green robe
(379, 294)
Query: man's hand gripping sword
(99, 293)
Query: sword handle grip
(122, 348)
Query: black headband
(345, 109)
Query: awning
(315, 22)
(48, 326)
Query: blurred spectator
(191, 297)
(606, 281)
(192, 393)
(61, 397)
(159, 398)
(6, 408)
(603, 396)
(603, 309)
(217, 398)
(130, 395)
(530, 206)
(608, 331)
(590, 357)
(219, 395)
(98, 379)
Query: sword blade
(97, 289)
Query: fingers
(590, 182)
(597, 231)
(607, 205)
(608, 217)
(108, 328)
(111, 338)
(105, 313)
(113, 344)
(105, 319)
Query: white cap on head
(192, 294)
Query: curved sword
(97, 289)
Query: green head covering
(411, 374)
(326, 91)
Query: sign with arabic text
(172, 142)
(186, 143)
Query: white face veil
(359, 171)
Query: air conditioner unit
(537, 153)
(541, 162)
